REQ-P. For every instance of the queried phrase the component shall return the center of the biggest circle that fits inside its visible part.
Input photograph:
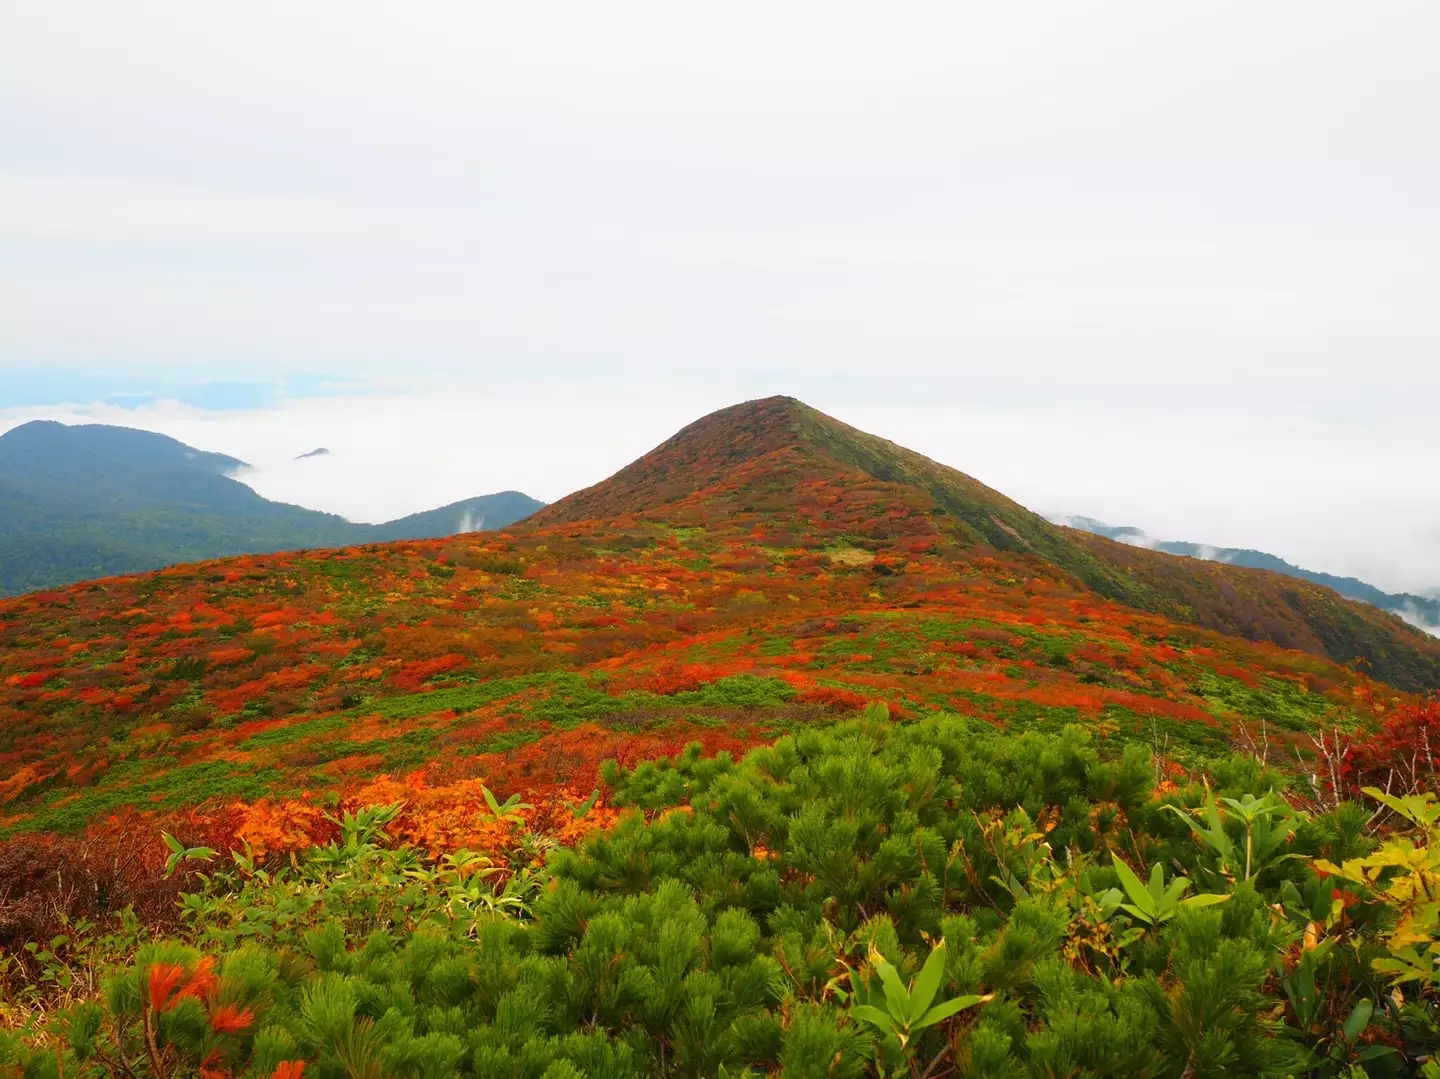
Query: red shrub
(1404, 756)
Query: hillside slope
(762, 458)
(526, 658)
(746, 585)
(86, 501)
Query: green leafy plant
(180, 853)
(1404, 873)
(1334, 1046)
(1156, 903)
(361, 833)
(1267, 824)
(511, 810)
(907, 1010)
(582, 809)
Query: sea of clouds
(1338, 498)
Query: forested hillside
(1421, 610)
(89, 501)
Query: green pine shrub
(874, 898)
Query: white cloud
(1416, 619)
(1142, 193)
(391, 455)
(1338, 497)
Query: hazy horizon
(363, 480)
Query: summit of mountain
(50, 450)
(763, 455)
(778, 463)
(778, 469)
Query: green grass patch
(1277, 701)
(160, 788)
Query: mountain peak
(45, 445)
(779, 453)
(31, 429)
(695, 459)
(807, 479)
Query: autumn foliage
(736, 585)
(1403, 755)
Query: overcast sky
(1166, 264)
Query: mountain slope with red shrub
(761, 464)
(766, 569)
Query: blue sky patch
(41, 389)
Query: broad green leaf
(490, 800)
(1174, 892)
(1157, 884)
(1204, 899)
(897, 997)
(946, 1009)
(1291, 898)
(873, 1016)
(1139, 894)
(1375, 1052)
(583, 809)
(1144, 916)
(927, 982)
(1359, 1019)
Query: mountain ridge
(1417, 609)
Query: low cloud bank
(1340, 499)
(1418, 619)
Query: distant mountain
(1423, 611)
(319, 451)
(90, 500)
(483, 514)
